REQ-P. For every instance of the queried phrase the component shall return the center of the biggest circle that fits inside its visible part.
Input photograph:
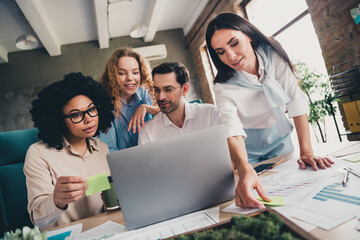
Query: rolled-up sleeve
(298, 104)
(41, 206)
(228, 112)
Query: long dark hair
(235, 22)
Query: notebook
(172, 177)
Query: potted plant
(25, 234)
(319, 92)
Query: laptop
(172, 177)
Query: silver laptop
(172, 177)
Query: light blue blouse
(118, 137)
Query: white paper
(350, 149)
(239, 210)
(172, 227)
(293, 177)
(333, 205)
(72, 232)
(103, 231)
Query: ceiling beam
(194, 16)
(3, 55)
(101, 18)
(154, 18)
(36, 15)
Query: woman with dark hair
(68, 114)
(127, 78)
(254, 88)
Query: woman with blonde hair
(127, 79)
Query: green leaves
(318, 89)
(27, 234)
(263, 227)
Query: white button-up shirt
(197, 116)
(244, 108)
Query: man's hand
(314, 161)
(248, 179)
(68, 189)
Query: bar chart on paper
(335, 192)
(333, 205)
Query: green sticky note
(354, 12)
(353, 158)
(97, 183)
(276, 201)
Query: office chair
(13, 192)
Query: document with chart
(333, 205)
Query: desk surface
(343, 231)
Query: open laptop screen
(172, 177)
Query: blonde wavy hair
(109, 77)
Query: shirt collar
(90, 141)
(261, 70)
(189, 114)
(260, 60)
(137, 98)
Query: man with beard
(177, 116)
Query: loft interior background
(82, 35)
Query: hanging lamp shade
(138, 31)
(26, 42)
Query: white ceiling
(60, 22)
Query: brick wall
(339, 39)
(196, 42)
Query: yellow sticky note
(276, 201)
(353, 158)
(97, 183)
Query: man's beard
(168, 109)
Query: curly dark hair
(47, 109)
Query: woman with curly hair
(127, 78)
(68, 114)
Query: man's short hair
(181, 72)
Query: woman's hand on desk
(314, 161)
(68, 189)
(248, 179)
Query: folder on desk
(352, 113)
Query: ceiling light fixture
(138, 31)
(26, 42)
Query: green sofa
(13, 193)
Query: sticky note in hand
(97, 183)
(276, 201)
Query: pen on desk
(263, 171)
(353, 171)
(269, 168)
(346, 177)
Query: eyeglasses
(166, 90)
(78, 117)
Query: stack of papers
(333, 205)
(165, 229)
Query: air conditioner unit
(154, 52)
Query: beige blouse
(43, 165)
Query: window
(290, 24)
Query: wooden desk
(343, 231)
